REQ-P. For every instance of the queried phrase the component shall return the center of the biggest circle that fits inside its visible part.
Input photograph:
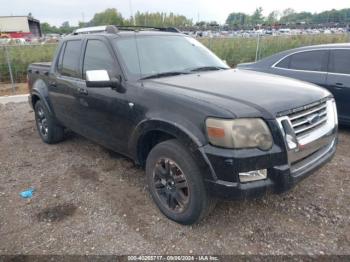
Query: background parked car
(324, 65)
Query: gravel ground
(89, 200)
(7, 89)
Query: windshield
(160, 55)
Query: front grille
(308, 119)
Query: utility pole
(132, 13)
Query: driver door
(105, 111)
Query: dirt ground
(88, 200)
(6, 89)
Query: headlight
(239, 133)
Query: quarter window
(98, 57)
(284, 63)
(340, 61)
(70, 61)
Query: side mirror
(100, 78)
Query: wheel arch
(40, 92)
(151, 132)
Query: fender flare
(193, 140)
(40, 90)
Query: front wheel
(176, 184)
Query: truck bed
(40, 66)
(38, 70)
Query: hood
(266, 93)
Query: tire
(48, 128)
(176, 184)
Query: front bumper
(280, 178)
(285, 167)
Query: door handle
(83, 91)
(53, 83)
(339, 85)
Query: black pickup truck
(202, 130)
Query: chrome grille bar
(301, 130)
(307, 120)
(307, 112)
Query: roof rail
(114, 29)
(142, 27)
(96, 29)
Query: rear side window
(98, 57)
(340, 61)
(70, 60)
(310, 60)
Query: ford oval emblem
(313, 118)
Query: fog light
(253, 175)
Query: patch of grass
(20, 57)
(241, 50)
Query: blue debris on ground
(28, 193)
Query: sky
(56, 12)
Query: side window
(284, 63)
(309, 60)
(340, 61)
(70, 60)
(98, 57)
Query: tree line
(288, 16)
(112, 16)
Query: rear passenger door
(338, 81)
(63, 89)
(309, 66)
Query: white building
(20, 25)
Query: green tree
(65, 28)
(110, 16)
(237, 19)
(160, 19)
(288, 11)
(293, 18)
(272, 18)
(257, 17)
(46, 28)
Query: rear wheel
(49, 130)
(176, 183)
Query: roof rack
(114, 29)
(141, 27)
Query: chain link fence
(238, 50)
(14, 59)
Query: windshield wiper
(207, 68)
(165, 74)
